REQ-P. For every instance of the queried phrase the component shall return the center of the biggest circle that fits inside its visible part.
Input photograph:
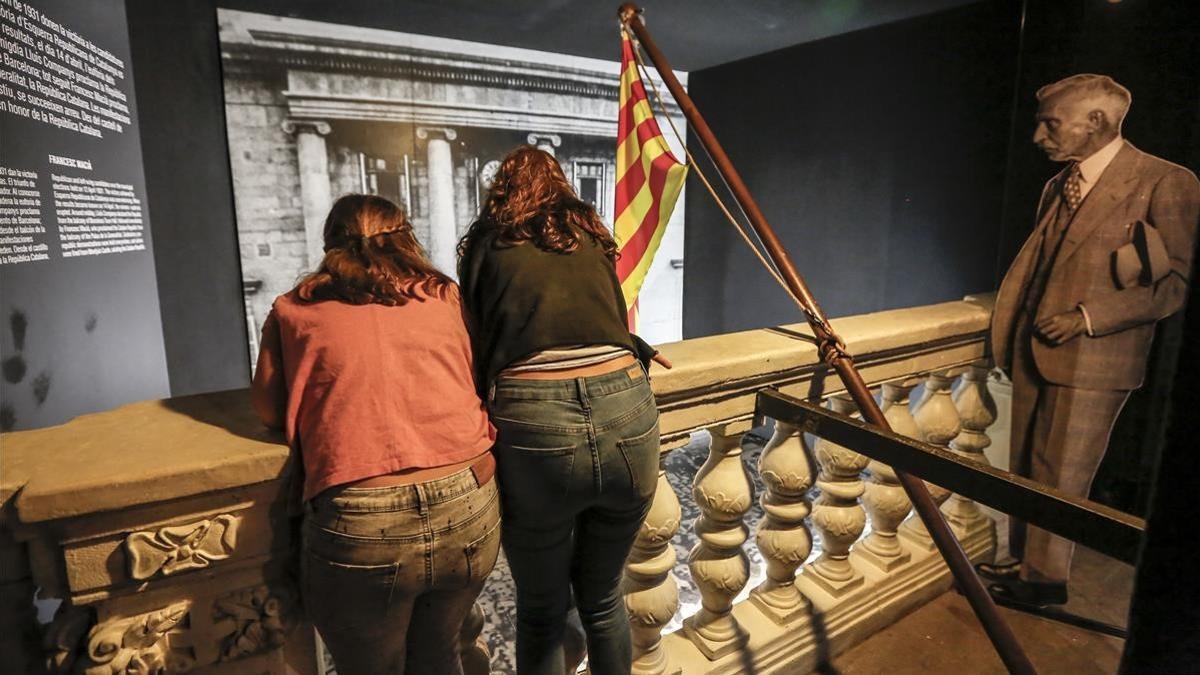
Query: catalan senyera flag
(649, 180)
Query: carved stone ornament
(181, 547)
(140, 644)
(425, 133)
(257, 619)
(318, 127)
(552, 140)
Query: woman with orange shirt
(366, 366)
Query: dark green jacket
(521, 299)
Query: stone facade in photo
(318, 110)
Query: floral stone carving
(181, 547)
(139, 644)
(258, 619)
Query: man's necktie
(1071, 190)
(1071, 198)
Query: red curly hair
(372, 256)
(530, 200)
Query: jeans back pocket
(467, 539)
(535, 481)
(339, 595)
(482, 553)
(641, 454)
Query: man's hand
(661, 360)
(1061, 328)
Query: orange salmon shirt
(373, 389)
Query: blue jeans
(389, 574)
(577, 462)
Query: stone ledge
(141, 453)
(715, 378)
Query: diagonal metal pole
(833, 352)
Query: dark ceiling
(694, 34)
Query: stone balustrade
(164, 527)
(803, 608)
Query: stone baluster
(885, 500)
(719, 567)
(783, 538)
(977, 411)
(838, 516)
(651, 595)
(938, 423)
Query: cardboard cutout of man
(1075, 314)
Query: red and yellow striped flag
(649, 180)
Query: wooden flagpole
(833, 351)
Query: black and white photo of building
(316, 110)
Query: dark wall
(178, 78)
(1151, 48)
(878, 156)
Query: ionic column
(651, 595)
(440, 167)
(977, 411)
(547, 142)
(719, 566)
(937, 420)
(885, 500)
(784, 541)
(315, 192)
(838, 516)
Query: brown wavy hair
(372, 256)
(530, 200)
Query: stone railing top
(153, 451)
(140, 453)
(699, 362)
(715, 376)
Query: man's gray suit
(1066, 397)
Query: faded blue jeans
(577, 462)
(388, 574)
